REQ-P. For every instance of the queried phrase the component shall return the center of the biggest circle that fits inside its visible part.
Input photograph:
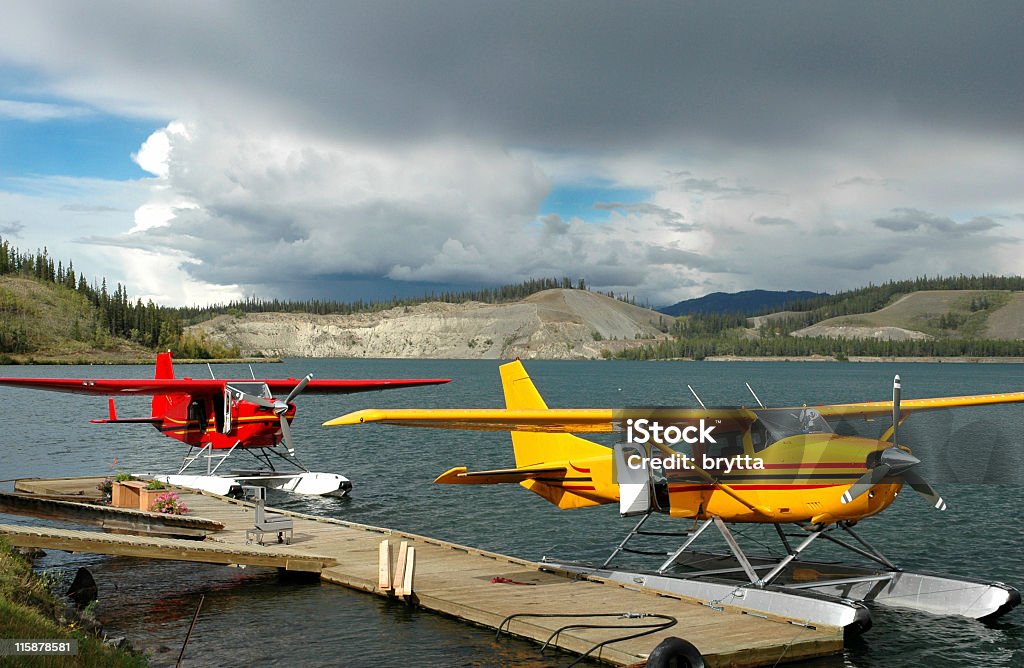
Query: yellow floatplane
(778, 466)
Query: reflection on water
(249, 616)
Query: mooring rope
(667, 622)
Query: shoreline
(868, 359)
(33, 610)
(137, 361)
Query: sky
(200, 152)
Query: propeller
(895, 462)
(280, 408)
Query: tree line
(494, 295)
(699, 348)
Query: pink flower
(169, 503)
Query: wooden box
(147, 497)
(126, 494)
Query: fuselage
(199, 422)
(799, 478)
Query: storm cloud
(316, 145)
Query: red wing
(200, 388)
(116, 386)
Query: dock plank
(153, 547)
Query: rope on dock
(667, 622)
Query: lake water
(974, 457)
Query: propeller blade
(866, 482)
(286, 431)
(298, 388)
(891, 462)
(920, 485)
(259, 401)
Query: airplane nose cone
(898, 460)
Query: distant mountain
(748, 302)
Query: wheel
(675, 653)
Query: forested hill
(51, 311)
(959, 316)
(747, 302)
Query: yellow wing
(870, 408)
(604, 420)
(568, 420)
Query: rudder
(164, 371)
(532, 448)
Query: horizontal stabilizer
(460, 476)
(113, 419)
(139, 420)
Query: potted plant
(149, 494)
(106, 488)
(124, 492)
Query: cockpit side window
(786, 422)
(759, 437)
(727, 444)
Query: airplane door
(229, 409)
(634, 481)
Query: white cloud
(154, 155)
(40, 111)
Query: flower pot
(125, 494)
(148, 496)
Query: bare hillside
(1008, 321)
(553, 324)
(991, 314)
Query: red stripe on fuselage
(818, 465)
(699, 488)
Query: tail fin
(164, 370)
(532, 448)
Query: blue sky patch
(579, 200)
(91, 145)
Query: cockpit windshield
(785, 422)
(255, 389)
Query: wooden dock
(114, 520)
(472, 585)
(156, 547)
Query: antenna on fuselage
(694, 393)
(211, 371)
(897, 390)
(755, 395)
(252, 373)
